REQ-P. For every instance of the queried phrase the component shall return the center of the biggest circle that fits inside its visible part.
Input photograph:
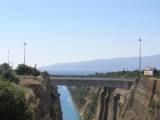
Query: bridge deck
(124, 83)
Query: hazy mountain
(102, 65)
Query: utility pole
(8, 57)
(12, 64)
(35, 66)
(140, 58)
(25, 53)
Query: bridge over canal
(124, 83)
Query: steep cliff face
(112, 103)
(87, 99)
(144, 102)
(104, 107)
(97, 103)
(141, 102)
(43, 99)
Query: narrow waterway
(67, 104)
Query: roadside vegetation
(25, 94)
(23, 69)
(7, 74)
(13, 104)
(118, 74)
(125, 74)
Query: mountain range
(103, 65)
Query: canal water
(68, 108)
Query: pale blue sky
(76, 30)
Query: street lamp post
(8, 57)
(12, 64)
(140, 57)
(25, 53)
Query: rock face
(144, 102)
(112, 104)
(141, 102)
(105, 99)
(43, 99)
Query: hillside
(102, 65)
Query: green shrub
(118, 74)
(23, 69)
(13, 105)
(7, 73)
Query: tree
(23, 69)
(13, 104)
(7, 73)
